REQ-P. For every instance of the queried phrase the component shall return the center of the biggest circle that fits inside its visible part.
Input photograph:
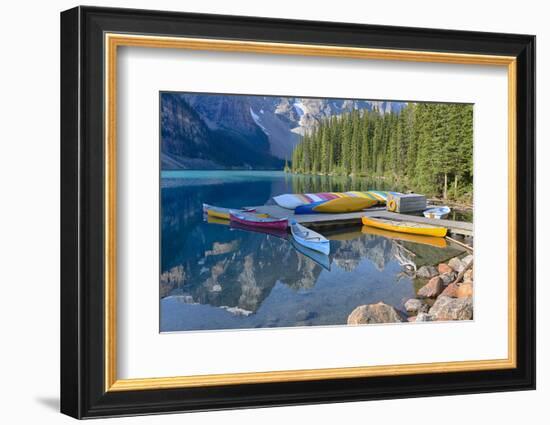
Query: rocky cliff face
(184, 134)
(243, 130)
(231, 114)
(225, 137)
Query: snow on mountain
(300, 108)
(256, 119)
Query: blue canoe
(308, 208)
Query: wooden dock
(323, 220)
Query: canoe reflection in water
(321, 259)
(246, 277)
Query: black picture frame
(83, 392)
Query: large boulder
(444, 268)
(450, 290)
(426, 272)
(456, 264)
(415, 305)
(447, 278)
(447, 308)
(431, 289)
(424, 317)
(374, 313)
(465, 290)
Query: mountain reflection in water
(214, 276)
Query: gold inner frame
(113, 41)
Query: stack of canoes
(338, 205)
(331, 202)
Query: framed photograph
(261, 212)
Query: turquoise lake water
(214, 276)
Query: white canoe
(437, 212)
(309, 238)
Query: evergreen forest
(425, 147)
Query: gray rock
(424, 317)
(431, 289)
(447, 278)
(415, 305)
(446, 308)
(466, 260)
(426, 272)
(374, 313)
(456, 264)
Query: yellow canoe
(407, 237)
(223, 213)
(225, 216)
(343, 205)
(405, 227)
(218, 214)
(216, 220)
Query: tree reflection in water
(215, 276)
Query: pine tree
(355, 144)
(347, 132)
(364, 167)
(325, 155)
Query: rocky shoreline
(446, 293)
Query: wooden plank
(321, 220)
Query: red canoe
(249, 219)
(279, 233)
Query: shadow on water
(215, 276)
